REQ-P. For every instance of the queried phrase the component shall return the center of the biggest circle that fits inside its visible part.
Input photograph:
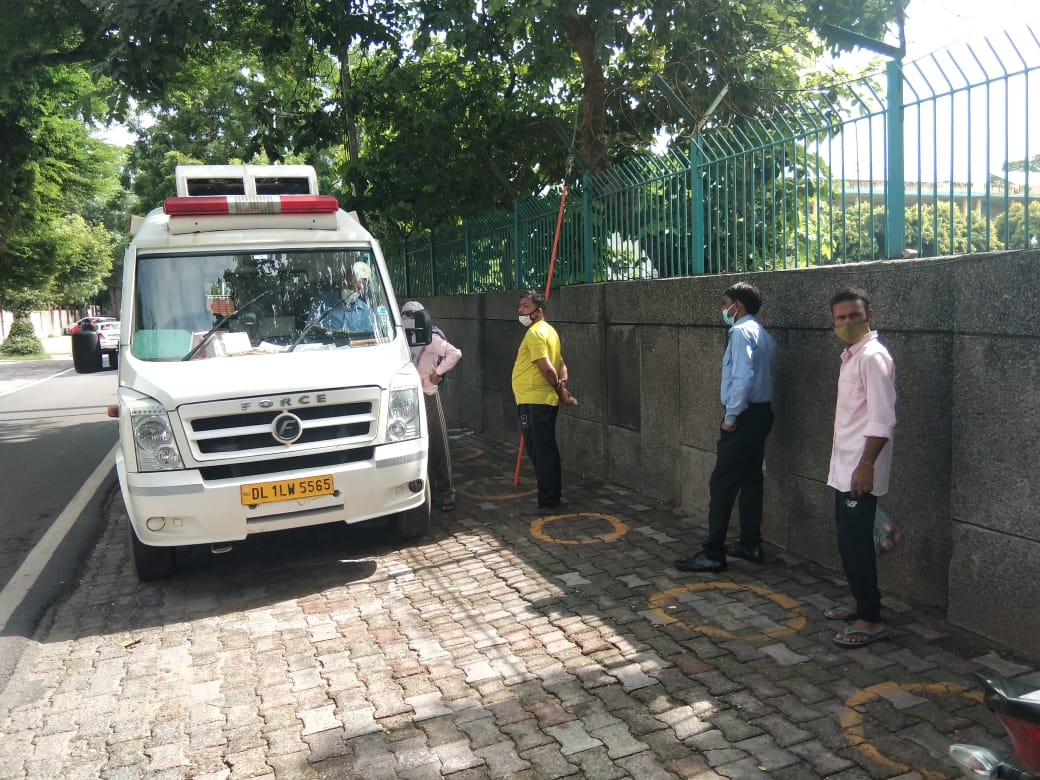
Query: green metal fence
(814, 182)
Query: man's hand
(727, 427)
(436, 378)
(862, 480)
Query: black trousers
(854, 518)
(439, 464)
(538, 425)
(738, 472)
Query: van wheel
(413, 522)
(152, 563)
(86, 352)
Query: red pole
(548, 287)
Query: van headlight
(153, 436)
(402, 420)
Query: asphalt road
(54, 434)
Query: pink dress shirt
(866, 407)
(439, 355)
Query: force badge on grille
(286, 428)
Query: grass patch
(34, 356)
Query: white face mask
(525, 320)
(348, 295)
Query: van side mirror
(422, 333)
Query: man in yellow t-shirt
(539, 387)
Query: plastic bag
(886, 535)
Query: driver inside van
(349, 311)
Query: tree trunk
(594, 97)
(346, 88)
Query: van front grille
(244, 427)
(255, 468)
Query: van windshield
(197, 306)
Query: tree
(941, 229)
(83, 259)
(1032, 164)
(442, 138)
(1011, 226)
(417, 112)
(597, 57)
(49, 164)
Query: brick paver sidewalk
(502, 645)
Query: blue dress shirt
(357, 317)
(747, 367)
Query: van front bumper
(176, 508)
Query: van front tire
(412, 523)
(152, 563)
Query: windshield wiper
(310, 325)
(221, 323)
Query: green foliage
(415, 113)
(460, 150)
(860, 233)
(1012, 230)
(49, 163)
(943, 230)
(83, 256)
(21, 340)
(1032, 164)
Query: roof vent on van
(203, 180)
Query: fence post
(586, 225)
(697, 207)
(469, 261)
(407, 276)
(895, 191)
(516, 246)
(433, 268)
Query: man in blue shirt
(747, 390)
(345, 308)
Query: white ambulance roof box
(204, 180)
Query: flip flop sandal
(839, 612)
(844, 639)
(448, 506)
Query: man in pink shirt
(861, 461)
(432, 362)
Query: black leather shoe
(752, 553)
(700, 562)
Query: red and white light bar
(218, 205)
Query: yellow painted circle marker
(467, 489)
(852, 720)
(792, 626)
(620, 529)
(473, 454)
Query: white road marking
(30, 384)
(23, 580)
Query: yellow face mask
(851, 332)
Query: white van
(264, 374)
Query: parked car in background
(108, 336)
(77, 326)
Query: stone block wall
(644, 359)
